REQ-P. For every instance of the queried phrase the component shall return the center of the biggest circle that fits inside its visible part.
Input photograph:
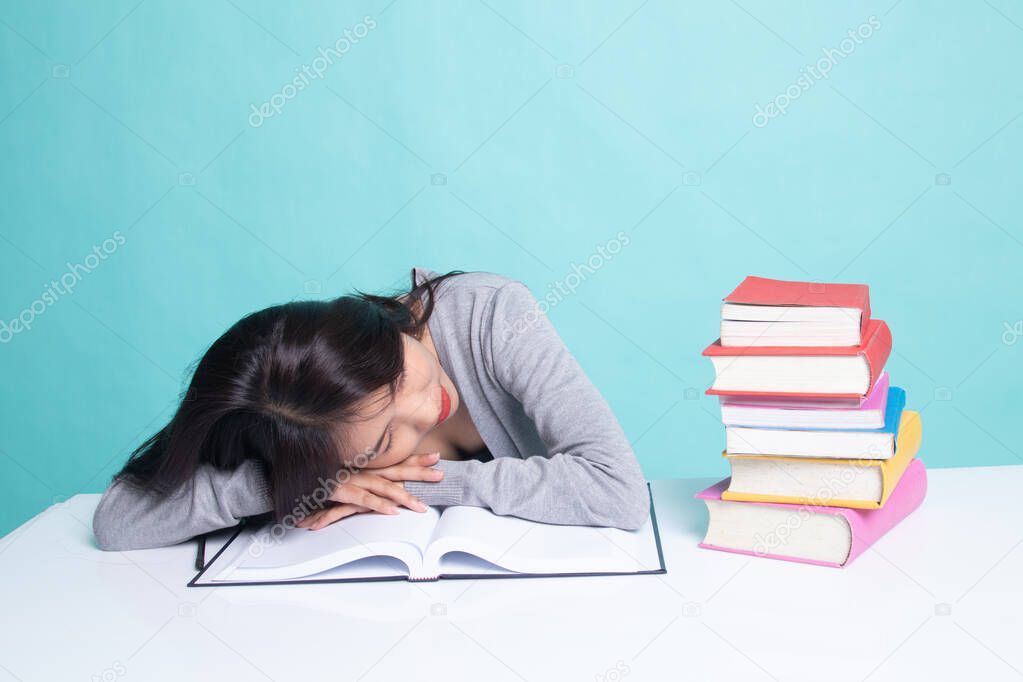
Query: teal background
(512, 137)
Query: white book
(876, 444)
(791, 313)
(807, 479)
(767, 325)
(449, 542)
(817, 374)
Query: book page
(273, 554)
(523, 546)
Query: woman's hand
(413, 468)
(377, 490)
(325, 517)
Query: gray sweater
(559, 454)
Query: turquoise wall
(179, 164)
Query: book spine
(865, 316)
(869, 526)
(877, 351)
(907, 444)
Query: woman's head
(394, 421)
(307, 389)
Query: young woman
(458, 392)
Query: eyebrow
(376, 448)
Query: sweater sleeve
(589, 476)
(128, 517)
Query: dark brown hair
(278, 387)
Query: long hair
(278, 388)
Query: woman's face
(394, 432)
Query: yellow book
(824, 481)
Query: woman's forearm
(564, 489)
(128, 517)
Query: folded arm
(589, 476)
(128, 517)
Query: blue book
(832, 443)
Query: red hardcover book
(760, 291)
(825, 372)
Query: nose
(422, 409)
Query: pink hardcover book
(823, 544)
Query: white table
(939, 598)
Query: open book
(449, 542)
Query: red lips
(445, 405)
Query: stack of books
(821, 448)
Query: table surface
(938, 598)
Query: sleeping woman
(459, 392)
